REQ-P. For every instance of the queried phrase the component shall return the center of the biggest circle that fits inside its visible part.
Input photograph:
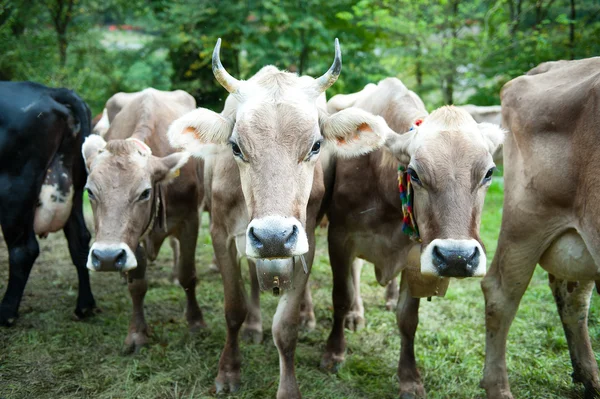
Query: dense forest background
(448, 51)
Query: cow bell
(275, 275)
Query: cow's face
(449, 162)
(122, 187)
(275, 131)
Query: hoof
(252, 335)
(354, 321)
(391, 304)
(213, 268)
(197, 326)
(331, 363)
(8, 321)
(230, 383)
(591, 392)
(308, 320)
(85, 313)
(134, 343)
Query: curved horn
(329, 78)
(230, 83)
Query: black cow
(42, 176)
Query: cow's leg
(407, 318)
(228, 378)
(214, 266)
(391, 294)
(186, 269)
(252, 329)
(503, 287)
(286, 323)
(137, 285)
(573, 302)
(355, 319)
(343, 297)
(23, 250)
(175, 248)
(78, 238)
(307, 311)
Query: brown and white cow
(266, 190)
(551, 213)
(449, 163)
(132, 200)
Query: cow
(429, 235)
(551, 213)
(266, 190)
(132, 200)
(42, 176)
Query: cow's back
(553, 115)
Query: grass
(48, 355)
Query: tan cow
(131, 200)
(265, 190)
(551, 211)
(449, 163)
(488, 114)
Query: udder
(569, 259)
(55, 200)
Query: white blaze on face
(453, 258)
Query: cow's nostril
(292, 238)
(471, 257)
(121, 259)
(256, 242)
(95, 259)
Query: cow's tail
(80, 109)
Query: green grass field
(48, 355)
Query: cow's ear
(167, 168)
(493, 135)
(198, 130)
(400, 145)
(354, 132)
(92, 145)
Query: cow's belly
(55, 200)
(569, 259)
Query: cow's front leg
(78, 238)
(228, 378)
(286, 323)
(187, 271)
(307, 311)
(343, 296)
(391, 294)
(407, 318)
(573, 302)
(137, 285)
(355, 319)
(252, 330)
(23, 249)
(503, 287)
(176, 249)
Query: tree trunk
(62, 14)
(572, 31)
(419, 68)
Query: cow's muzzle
(275, 237)
(453, 258)
(116, 257)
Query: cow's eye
(236, 149)
(91, 195)
(316, 148)
(488, 175)
(414, 177)
(144, 195)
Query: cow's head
(122, 187)
(276, 130)
(449, 162)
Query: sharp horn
(230, 83)
(329, 78)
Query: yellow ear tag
(176, 173)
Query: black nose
(109, 258)
(274, 242)
(455, 262)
